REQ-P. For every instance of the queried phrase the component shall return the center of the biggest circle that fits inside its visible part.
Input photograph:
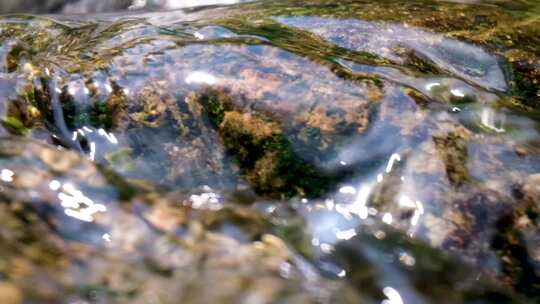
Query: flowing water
(270, 152)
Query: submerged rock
(72, 230)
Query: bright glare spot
(304, 200)
(7, 175)
(315, 242)
(393, 158)
(137, 4)
(72, 90)
(429, 86)
(379, 178)
(359, 207)
(92, 153)
(199, 77)
(420, 207)
(58, 90)
(457, 93)
(77, 204)
(74, 137)
(109, 136)
(198, 35)
(329, 204)
(68, 187)
(343, 163)
(387, 218)
(86, 90)
(108, 88)
(87, 129)
(363, 195)
(405, 201)
(326, 248)
(54, 185)
(106, 237)
(402, 178)
(342, 274)
(347, 190)
(456, 109)
(487, 118)
(393, 296)
(79, 215)
(346, 234)
(205, 200)
(417, 213)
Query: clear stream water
(270, 152)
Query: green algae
(264, 153)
